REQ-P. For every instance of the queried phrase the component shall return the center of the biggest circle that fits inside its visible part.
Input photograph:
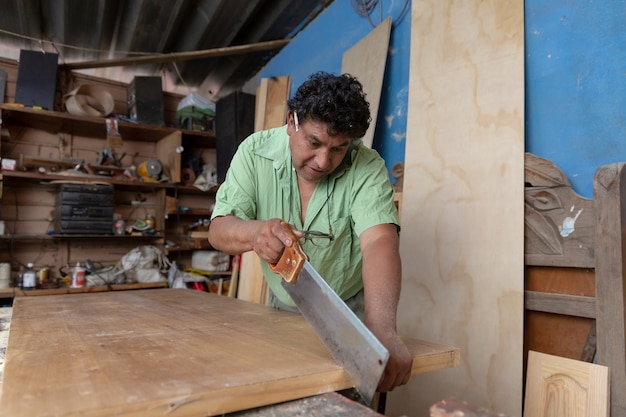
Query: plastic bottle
(78, 276)
(29, 278)
(119, 225)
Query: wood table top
(172, 352)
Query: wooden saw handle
(292, 260)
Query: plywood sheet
(366, 60)
(462, 206)
(172, 352)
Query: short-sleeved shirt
(261, 184)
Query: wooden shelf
(16, 292)
(191, 212)
(80, 236)
(94, 126)
(54, 179)
(32, 140)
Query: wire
(180, 76)
(365, 8)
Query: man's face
(315, 154)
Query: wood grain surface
(172, 352)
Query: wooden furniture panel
(610, 242)
(559, 386)
(169, 351)
(571, 242)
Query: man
(316, 175)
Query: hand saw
(349, 341)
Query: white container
(30, 277)
(78, 275)
(210, 260)
(5, 275)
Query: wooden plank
(261, 101)
(367, 60)
(252, 286)
(558, 386)
(276, 102)
(171, 351)
(589, 350)
(271, 110)
(571, 305)
(462, 221)
(610, 239)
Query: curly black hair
(336, 100)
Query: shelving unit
(27, 200)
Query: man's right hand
(270, 240)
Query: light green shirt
(261, 184)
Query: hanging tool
(349, 341)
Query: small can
(78, 276)
(29, 280)
(44, 274)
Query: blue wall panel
(575, 85)
(320, 47)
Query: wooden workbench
(172, 352)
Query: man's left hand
(398, 369)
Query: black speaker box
(234, 121)
(36, 79)
(145, 100)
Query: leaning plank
(366, 60)
(271, 111)
(557, 386)
(610, 217)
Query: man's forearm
(231, 234)
(382, 274)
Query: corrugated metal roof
(88, 30)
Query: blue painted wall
(320, 47)
(575, 78)
(576, 85)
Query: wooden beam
(178, 56)
(571, 305)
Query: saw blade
(349, 341)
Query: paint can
(150, 169)
(78, 275)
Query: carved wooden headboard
(559, 224)
(575, 256)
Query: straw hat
(89, 100)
